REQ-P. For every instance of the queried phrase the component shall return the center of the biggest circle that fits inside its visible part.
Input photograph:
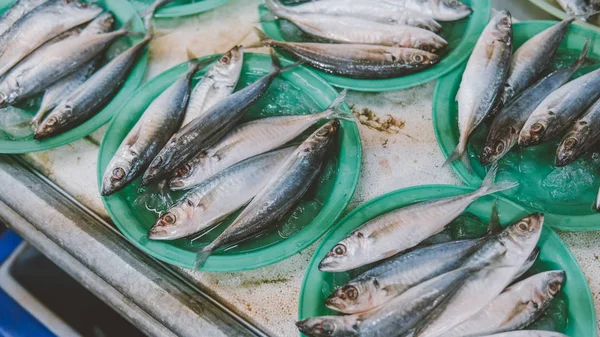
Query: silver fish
(379, 285)
(92, 96)
(285, 189)
(517, 307)
(503, 258)
(218, 83)
(59, 90)
(17, 11)
(528, 333)
(559, 110)
(442, 10)
(504, 130)
(151, 10)
(40, 25)
(208, 128)
(346, 29)
(385, 12)
(160, 120)
(208, 204)
(404, 228)
(576, 8)
(44, 67)
(482, 80)
(395, 318)
(532, 58)
(357, 60)
(583, 135)
(250, 139)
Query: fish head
(525, 233)
(573, 143)
(103, 22)
(348, 254)
(329, 326)
(416, 57)
(497, 145)
(502, 28)
(119, 172)
(321, 138)
(356, 296)
(552, 283)
(533, 132)
(229, 66)
(54, 123)
(161, 164)
(451, 10)
(180, 177)
(170, 224)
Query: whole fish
(385, 12)
(583, 135)
(517, 307)
(559, 110)
(357, 60)
(528, 333)
(250, 139)
(40, 25)
(482, 80)
(395, 318)
(504, 130)
(46, 66)
(283, 191)
(379, 285)
(92, 96)
(160, 120)
(532, 58)
(218, 83)
(208, 204)
(345, 29)
(502, 258)
(59, 90)
(208, 128)
(443, 10)
(17, 11)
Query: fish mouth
(538, 219)
(176, 183)
(327, 265)
(562, 160)
(157, 233)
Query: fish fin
(193, 63)
(203, 255)
(262, 35)
(335, 110)
(275, 63)
(460, 152)
(488, 186)
(583, 56)
(494, 227)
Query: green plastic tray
(566, 208)
(553, 8)
(122, 11)
(179, 7)
(461, 36)
(298, 91)
(554, 254)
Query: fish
(59, 90)
(528, 333)
(532, 58)
(576, 8)
(40, 25)
(529, 263)
(344, 29)
(250, 139)
(148, 14)
(379, 285)
(89, 98)
(161, 119)
(281, 193)
(482, 81)
(517, 307)
(559, 110)
(357, 60)
(506, 125)
(583, 135)
(500, 259)
(17, 11)
(597, 203)
(218, 83)
(46, 66)
(385, 12)
(403, 228)
(208, 128)
(208, 204)
(442, 10)
(395, 318)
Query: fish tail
(148, 14)
(203, 255)
(488, 186)
(335, 110)
(583, 56)
(128, 29)
(194, 64)
(264, 38)
(460, 152)
(494, 226)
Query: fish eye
(554, 288)
(324, 131)
(118, 174)
(537, 128)
(499, 146)
(51, 121)
(523, 226)
(184, 170)
(339, 250)
(328, 327)
(418, 58)
(570, 143)
(169, 218)
(351, 292)
(226, 58)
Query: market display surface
(65, 98)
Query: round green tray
(298, 91)
(122, 11)
(461, 36)
(552, 7)
(179, 7)
(554, 254)
(570, 209)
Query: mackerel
(17, 11)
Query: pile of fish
(58, 47)
(371, 39)
(451, 289)
(190, 138)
